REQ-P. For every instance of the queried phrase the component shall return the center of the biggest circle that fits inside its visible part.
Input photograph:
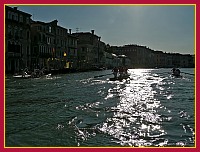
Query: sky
(167, 28)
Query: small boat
(176, 75)
(26, 76)
(119, 78)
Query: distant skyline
(167, 28)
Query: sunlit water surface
(149, 109)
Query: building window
(43, 38)
(61, 42)
(50, 30)
(21, 18)
(48, 40)
(27, 20)
(9, 31)
(58, 31)
(16, 32)
(28, 35)
(13, 16)
(9, 15)
(40, 37)
(16, 17)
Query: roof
(16, 10)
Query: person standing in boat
(178, 72)
(125, 71)
(115, 72)
(23, 74)
(173, 70)
(121, 72)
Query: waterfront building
(17, 40)
(160, 59)
(43, 43)
(183, 60)
(90, 50)
(140, 56)
(144, 57)
(169, 61)
(53, 47)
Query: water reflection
(136, 121)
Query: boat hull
(176, 76)
(119, 78)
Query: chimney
(70, 31)
(92, 32)
(15, 8)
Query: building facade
(53, 47)
(144, 57)
(17, 40)
(90, 50)
(140, 56)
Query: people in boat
(125, 71)
(115, 71)
(173, 70)
(176, 72)
(24, 72)
(121, 71)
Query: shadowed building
(17, 40)
(90, 50)
(52, 46)
(140, 56)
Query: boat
(26, 76)
(119, 78)
(176, 75)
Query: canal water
(70, 110)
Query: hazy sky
(165, 28)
